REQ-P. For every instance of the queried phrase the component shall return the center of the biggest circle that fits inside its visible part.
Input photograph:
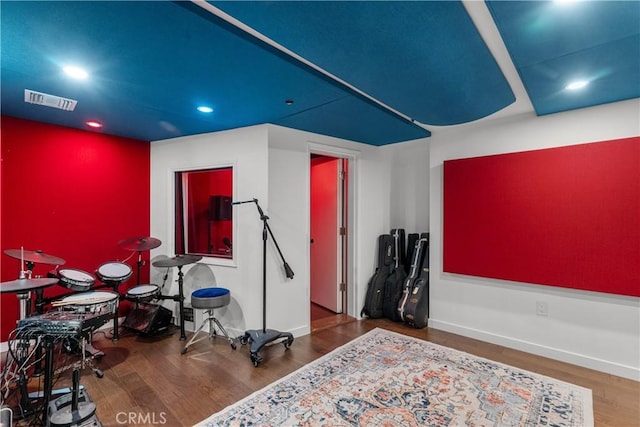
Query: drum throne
(209, 299)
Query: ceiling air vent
(39, 98)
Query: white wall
(246, 150)
(369, 179)
(595, 330)
(288, 213)
(409, 185)
(272, 163)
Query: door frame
(351, 156)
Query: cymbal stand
(180, 299)
(25, 307)
(26, 274)
(25, 298)
(183, 336)
(139, 266)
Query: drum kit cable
(73, 318)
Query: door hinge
(343, 287)
(343, 231)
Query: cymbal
(177, 260)
(34, 256)
(139, 244)
(21, 286)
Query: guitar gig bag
(375, 289)
(393, 285)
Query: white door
(326, 240)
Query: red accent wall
(567, 217)
(72, 194)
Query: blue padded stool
(209, 299)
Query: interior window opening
(204, 223)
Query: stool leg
(233, 344)
(213, 322)
(212, 328)
(193, 338)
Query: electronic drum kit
(86, 303)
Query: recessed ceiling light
(93, 124)
(75, 72)
(205, 109)
(577, 84)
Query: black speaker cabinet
(148, 319)
(219, 208)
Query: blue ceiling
(377, 72)
(553, 43)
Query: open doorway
(328, 245)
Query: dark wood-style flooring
(149, 382)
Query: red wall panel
(567, 217)
(72, 194)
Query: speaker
(149, 319)
(219, 208)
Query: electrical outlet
(542, 308)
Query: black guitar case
(412, 238)
(375, 289)
(414, 273)
(394, 283)
(416, 308)
(400, 253)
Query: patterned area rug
(386, 379)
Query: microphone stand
(261, 337)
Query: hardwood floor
(148, 382)
(322, 318)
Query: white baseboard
(609, 367)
